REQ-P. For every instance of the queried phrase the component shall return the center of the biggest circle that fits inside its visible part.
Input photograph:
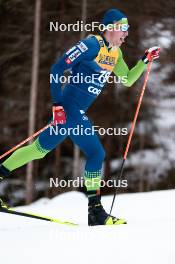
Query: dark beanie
(111, 16)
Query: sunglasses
(118, 27)
(123, 27)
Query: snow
(159, 34)
(162, 34)
(148, 161)
(147, 238)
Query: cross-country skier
(100, 55)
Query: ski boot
(3, 205)
(3, 173)
(98, 216)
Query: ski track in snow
(147, 238)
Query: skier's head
(116, 25)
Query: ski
(35, 216)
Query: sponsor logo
(101, 42)
(84, 117)
(107, 60)
(68, 61)
(94, 90)
(74, 55)
(70, 50)
(82, 47)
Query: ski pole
(132, 130)
(25, 141)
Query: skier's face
(116, 37)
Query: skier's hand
(59, 115)
(151, 54)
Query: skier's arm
(84, 49)
(128, 77)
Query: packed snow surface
(149, 236)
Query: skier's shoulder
(86, 48)
(90, 44)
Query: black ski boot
(98, 216)
(3, 174)
(3, 205)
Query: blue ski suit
(89, 57)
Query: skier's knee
(41, 155)
(99, 155)
(39, 151)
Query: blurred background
(27, 51)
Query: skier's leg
(24, 155)
(91, 146)
(46, 141)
